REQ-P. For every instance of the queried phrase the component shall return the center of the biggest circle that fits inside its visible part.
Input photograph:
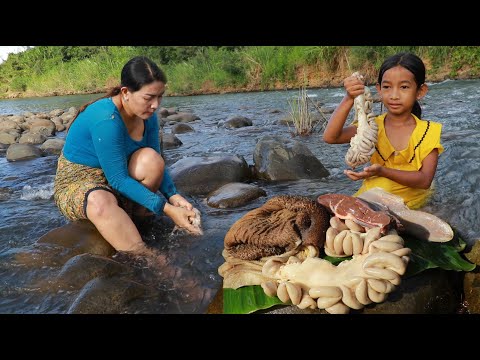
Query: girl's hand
(372, 170)
(354, 86)
(179, 201)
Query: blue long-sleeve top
(99, 138)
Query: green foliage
(166, 55)
(329, 55)
(426, 255)
(18, 84)
(169, 54)
(268, 65)
(336, 260)
(220, 65)
(209, 68)
(247, 299)
(466, 56)
(438, 55)
(185, 78)
(361, 56)
(79, 52)
(44, 70)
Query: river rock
(234, 195)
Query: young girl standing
(406, 155)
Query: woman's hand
(178, 200)
(354, 86)
(180, 216)
(368, 171)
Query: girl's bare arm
(421, 179)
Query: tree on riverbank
(60, 70)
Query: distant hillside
(191, 70)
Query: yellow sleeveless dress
(424, 139)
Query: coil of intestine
(362, 145)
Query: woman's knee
(99, 201)
(145, 163)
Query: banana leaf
(336, 260)
(427, 255)
(247, 299)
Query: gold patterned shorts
(73, 183)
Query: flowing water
(27, 210)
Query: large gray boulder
(277, 159)
(201, 175)
(234, 195)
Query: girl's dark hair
(136, 73)
(412, 63)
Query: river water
(27, 210)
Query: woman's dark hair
(136, 73)
(412, 63)
(141, 71)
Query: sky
(5, 50)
